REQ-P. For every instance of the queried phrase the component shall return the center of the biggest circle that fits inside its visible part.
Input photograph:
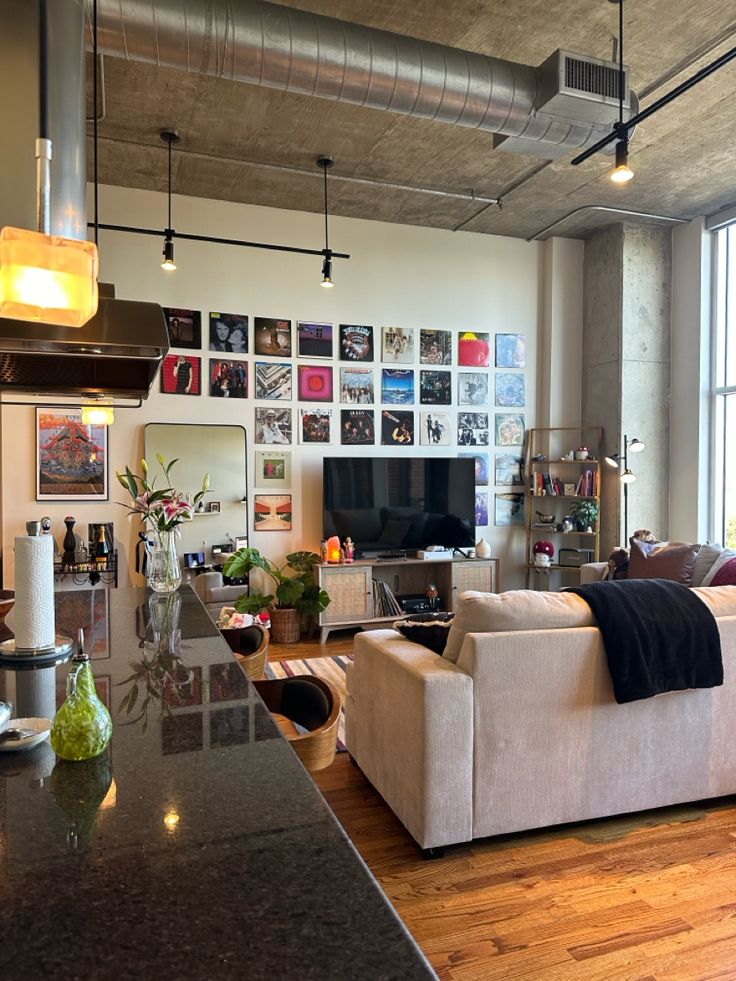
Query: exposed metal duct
(299, 51)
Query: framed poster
(185, 327)
(314, 383)
(273, 469)
(314, 340)
(272, 512)
(71, 458)
(181, 375)
(228, 379)
(357, 427)
(398, 345)
(272, 337)
(229, 333)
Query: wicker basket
(285, 626)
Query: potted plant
(295, 593)
(585, 514)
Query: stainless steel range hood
(116, 353)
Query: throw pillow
(517, 609)
(725, 575)
(707, 555)
(726, 555)
(674, 562)
(428, 629)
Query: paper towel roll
(34, 591)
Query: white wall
(398, 275)
(690, 442)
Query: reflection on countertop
(196, 846)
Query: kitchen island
(196, 846)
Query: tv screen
(389, 504)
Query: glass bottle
(102, 549)
(82, 727)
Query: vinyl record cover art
(472, 388)
(435, 429)
(510, 389)
(315, 425)
(397, 428)
(357, 427)
(272, 337)
(435, 346)
(315, 340)
(356, 342)
(315, 383)
(273, 380)
(397, 386)
(398, 345)
(228, 379)
(481, 466)
(356, 386)
(472, 429)
(435, 388)
(510, 351)
(474, 349)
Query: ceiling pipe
(298, 51)
(669, 219)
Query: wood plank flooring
(646, 897)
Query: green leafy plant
(585, 512)
(294, 583)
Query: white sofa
(210, 589)
(523, 730)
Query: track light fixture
(169, 136)
(325, 163)
(621, 173)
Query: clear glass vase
(164, 571)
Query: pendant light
(621, 173)
(325, 163)
(43, 277)
(169, 136)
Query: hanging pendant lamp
(325, 163)
(621, 173)
(169, 136)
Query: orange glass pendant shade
(47, 278)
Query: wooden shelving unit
(547, 454)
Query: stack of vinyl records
(385, 603)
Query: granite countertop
(196, 846)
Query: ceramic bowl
(7, 601)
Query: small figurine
(349, 549)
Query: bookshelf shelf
(548, 492)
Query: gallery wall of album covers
(383, 388)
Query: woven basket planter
(285, 626)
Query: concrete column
(626, 369)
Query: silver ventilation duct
(119, 350)
(298, 51)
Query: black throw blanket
(659, 636)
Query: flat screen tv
(390, 504)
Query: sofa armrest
(593, 571)
(409, 726)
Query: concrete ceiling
(244, 143)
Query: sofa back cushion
(720, 600)
(517, 609)
(674, 562)
(707, 555)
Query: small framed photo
(185, 327)
(273, 380)
(398, 345)
(241, 541)
(272, 512)
(510, 351)
(316, 425)
(272, 337)
(474, 349)
(229, 333)
(356, 342)
(569, 490)
(228, 379)
(213, 507)
(273, 469)
(273, 425)
(314, 340)
(181, 375)
(435, 429)
(315, 383)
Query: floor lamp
(627, 476)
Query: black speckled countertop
(196, 846)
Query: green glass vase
(82, 727)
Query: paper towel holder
(30, 658)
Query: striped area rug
(332, 669)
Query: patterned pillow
(725, 575)
(428, 629)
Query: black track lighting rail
(216, 240)
(660, 103)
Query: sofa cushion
(720, 600)
(674, 562)
(428, 629)
(726, 555)
(707, 555)
(725, 575)
(517, 609)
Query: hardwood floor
(648, 897)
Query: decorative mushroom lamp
(333, 549)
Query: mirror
(221, 452)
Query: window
(724, 387)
